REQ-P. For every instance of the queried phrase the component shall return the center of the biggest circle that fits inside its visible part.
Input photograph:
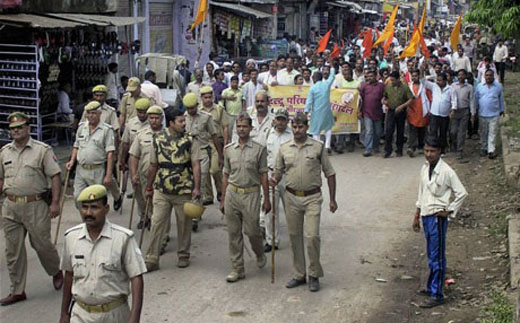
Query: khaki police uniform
(220, 120)
(302, 167)
(244, 167)
(25, 176)
(108, 115)
(132, 128)
(101, 270)
(141, 148)
(202, 129)
(127, 106)
(92, 156)
(173, 187)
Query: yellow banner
(344, 104)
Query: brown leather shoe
(57, 280)
(11, 299)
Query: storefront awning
(371, 12)
(241, 9)
(347, 4)
(36, 21)
(98, 20)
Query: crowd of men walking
(225, 133)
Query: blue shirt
(489, 100)
(318, 103)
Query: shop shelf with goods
(22, 88)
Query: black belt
(303, 193)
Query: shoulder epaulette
(110, 107)
(229, 145)
(41, 144)
(127, 94)
(107, 125)
(75, 228)
(204, 112)
(129, 233)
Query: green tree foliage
(503, 16)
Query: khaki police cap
(206, 90)
(300, 117)
(17, 119)
(244, 116)
(190, 100)
(142, 104)
(154, 109)
(92, 193)
(94, 105)
(281, 113)
(133, 83)
(99, 88)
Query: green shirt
(397, 95)
(233, 107)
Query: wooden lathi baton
(146, 220)
(273, 211)
(132, 209)
(62, 201)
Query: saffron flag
(388, 28)
(335, 51)
(367, 42)
(322, 43)
(388, 42)
(416, 40)
(454, 38)
(201, 14)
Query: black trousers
(501, 71)
(394, 121)
(473, 127)
(439, 128)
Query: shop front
(40, 54)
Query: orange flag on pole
(201, 14)
(388, 28)
(322, 43)
(388, 42)
(335, 51)
(454, 38)
(416, 40)
(368, 39)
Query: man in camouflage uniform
(94, 151)
(175, 175)
(25, 166)
(139, 160)
(220, 123)
(199, 124)
(108, 115)
(245, 171)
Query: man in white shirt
(195, 86)
(459, 60)
(500, 56)
(150, 90)
(286, 75)
(276, 136)
(440, 109)
(268, 78)
(112, 84)
(438, 182)
(249, 90)
(64, 111)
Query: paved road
(375, 197)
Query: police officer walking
(25, 165)
(301, 160)
(199, 124)
(102, 263)
(139, 160)
(220, 123)
(94, 151)
(245, 170)
(175, 175)
(127, 106)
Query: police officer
(127, 106)
(102, 262)
(199, 124)
(140, 150)
(25, 165)
(301, 160)
(175, 175)
(108, 115)
(276, 136)
(220, 123)
(245, 170)
(94, 151)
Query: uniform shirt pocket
(79, 267)
(109, 266)
(32, 168)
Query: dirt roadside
(477, 254)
